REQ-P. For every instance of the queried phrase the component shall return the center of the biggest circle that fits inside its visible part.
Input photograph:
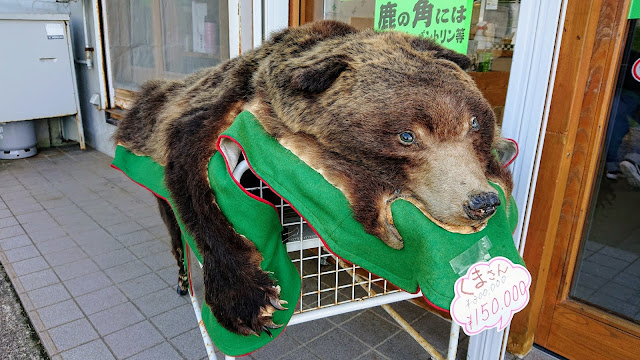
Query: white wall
(97, 132)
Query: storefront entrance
(585, 227)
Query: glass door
(586, 229)
(608, 274)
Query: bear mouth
(464, 229)
(479, 214)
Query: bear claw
(181, 291)
(278, 304)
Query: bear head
(384, 116)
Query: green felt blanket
(431, 260)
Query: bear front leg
(372, 208)
(241, 295)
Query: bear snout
(481, 206)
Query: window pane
(151, 39)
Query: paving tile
(190, 345)
(50, 195)
(372, 355)
(598, 270)
(590, 281)
(22, 253)
(60, 313)
(5, 213)
(55, 204)
(71, 219)
(8, 221)
(116, 318)
(91, 236)
(628, 280)
(158, 230)
(338, 344)
(408, 310)
(25, 208)
(123, 228)
(163, 351)
(34, 217)
(148, 248)
(114, 258)
(38, 279)
(55, 245)
(72, 334)
(135, 237)
(142, 285)
(40, 226)
(134, 339)
(436, 330)
(402, 346)
(101, 247)
(87, 283)
(100, 300)
(309, 330)
(48, 295)
(169, 275)
(301, 353)
(75, 269)
(80, 227)
(93, 350)
(15, 242)
(618, 253)
(634, 268)
(276, 348)
(619, 291)
(370, 328)
(12, 231)
(65, 256)
(177, 321)
(160, 301)
(16, 196)
(29, 266)
(130, 270)
(152, 220)
(51, 234)
(160, 260)
(608, 261)
(64, 210)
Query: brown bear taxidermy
(380, 115)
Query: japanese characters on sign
(445, 21)
(489, 294)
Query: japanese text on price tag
(489, 294)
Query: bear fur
(381, 116)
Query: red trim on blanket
(514, 156)
(305, 219)
(153, 192)
(226, 161)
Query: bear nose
(481, 206)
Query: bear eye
(475, 125)
(407, 137)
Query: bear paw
(248, 309)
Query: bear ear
(318, 76)
(428, 45)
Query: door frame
(587, 71)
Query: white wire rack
(330, 286)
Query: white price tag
(489, 294)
